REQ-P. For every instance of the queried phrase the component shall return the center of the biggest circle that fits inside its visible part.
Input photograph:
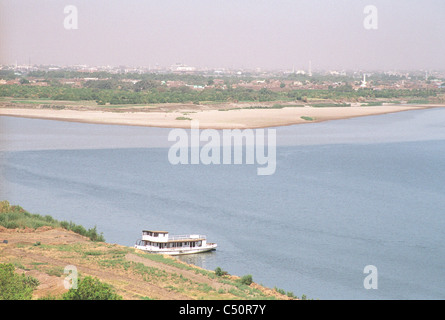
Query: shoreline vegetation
(36, 249)
(15, 217)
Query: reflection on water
(198, 259)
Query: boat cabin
(162, 240)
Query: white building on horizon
(363, 85)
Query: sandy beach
(215, 119)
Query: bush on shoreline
(220, 272)
(247, 279)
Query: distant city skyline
(210, 71)
(242, 34)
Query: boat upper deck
(163, 236)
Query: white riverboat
(162, 242)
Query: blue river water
(345, 194)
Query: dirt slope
(44, 253)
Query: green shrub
(90, 288)
(220, 272)
(280, 290)
(14, 286)
(64, 224)
(93, 235)
(247, 279)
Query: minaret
(363, 81)
(310, 68)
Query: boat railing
(186, 237)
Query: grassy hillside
(42, 247)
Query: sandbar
(212, 119)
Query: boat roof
(154, 231)
(187, 240)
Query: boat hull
(177, 252)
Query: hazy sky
(226, 33)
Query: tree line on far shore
(115, 92)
